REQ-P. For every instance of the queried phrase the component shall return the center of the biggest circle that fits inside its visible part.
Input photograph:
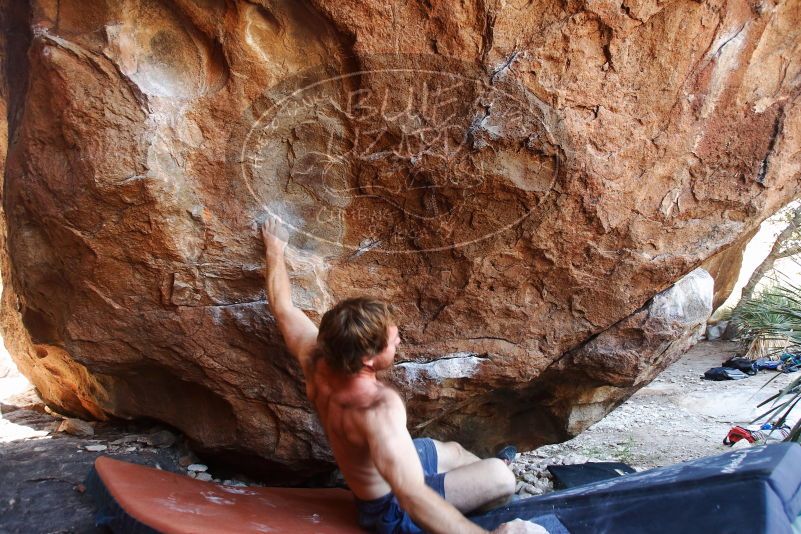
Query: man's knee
(502, 477)
(451, 455)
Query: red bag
(736, 434)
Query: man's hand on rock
(275, 237)
(518, 526)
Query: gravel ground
(41, 478)
(45, 459)
(676, 418)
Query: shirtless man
(400, 485)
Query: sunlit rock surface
(519, 178)
(725, 268)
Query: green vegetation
(624, 451)
(772, 319)
(774, 316)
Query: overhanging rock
(519, 184)
(568, 396)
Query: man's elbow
(406, 501)
(412, 499)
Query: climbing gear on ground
(746, 365)
(724, 373)
(737, 433)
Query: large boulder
(571, 393)
(724, 267)
(520, 178)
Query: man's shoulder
(386, 404)
(387, 396)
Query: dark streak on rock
(778, 126)
(507, 65)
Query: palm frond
(770, 322)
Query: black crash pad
(749, 490)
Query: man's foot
(507, 454)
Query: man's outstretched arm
(396, 459)
(299, 332)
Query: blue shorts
(384, 515)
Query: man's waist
(382, 492)
(372, 506)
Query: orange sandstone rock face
(520, 178)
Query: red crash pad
(171, 503)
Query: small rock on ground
(77, 427)
(161, 439)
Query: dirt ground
(41, 477)
(677, 417)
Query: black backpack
(741, 364)
(724, 373)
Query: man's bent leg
(479, 484)
(451, 455)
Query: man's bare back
(343, 406)
(365, 422)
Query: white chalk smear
(216, 499)
(237, 490)
(450, 366)
(259, 527)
